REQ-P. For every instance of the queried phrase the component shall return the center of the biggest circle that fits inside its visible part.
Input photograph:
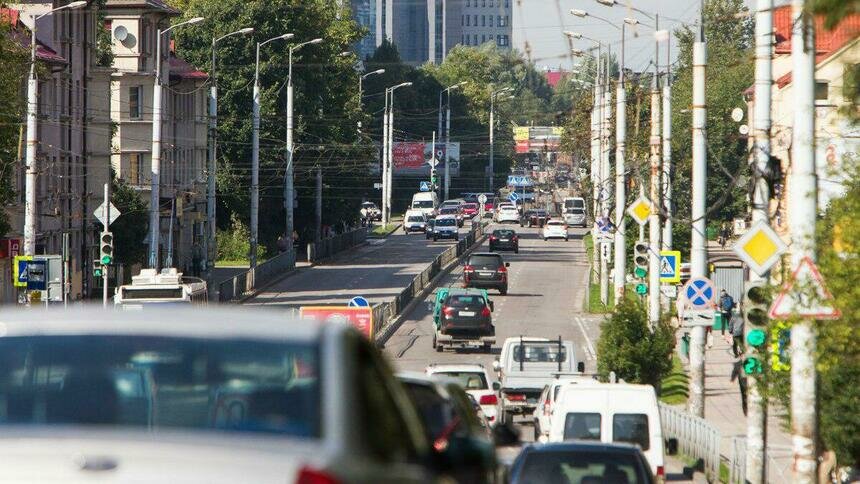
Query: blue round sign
(358, 302)
(700, 293)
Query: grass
(380, 230)
(674, 387)
(595, 305)
(233, 263)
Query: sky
(541, 23)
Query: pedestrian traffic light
(98, 270)
(642, 289)
(640, 259)
(106, 248)
(752, 366)
(757, 299)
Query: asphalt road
(377, 271)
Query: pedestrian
(727, 304)
(725, 232)
(282, 244)
(736, 328)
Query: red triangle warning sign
(805, 295)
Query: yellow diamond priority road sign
(760, 247)
(640, 210)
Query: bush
(629, 348)
(235, 244)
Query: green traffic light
(106, 260)
(640, 272)
(756, 337)
(641, 289)
(97, 272)
(757, 316)
(752, 366)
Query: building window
(507, 3)
(475, 39)
(822, 89)
(475, 19)
(134, 168)
(468, 21)
(483, 3)
(491, 3)
(483, 21)
(134, 101)
(462, 21)
(507, 20)
(491, 20)
(469, 3)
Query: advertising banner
(359, 317)
(537, 139)
(413, 158)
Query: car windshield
(576, 211)
(539, 213)
(161, 382)
(485, 260)
(582, 426)
(368, 205)
(422, 204)
(463, 300)
(555, 223)
(469, 380)
(581, 466)
(415, 218)
(631, 427)
(470, 206)
(449, 210)
(446, 222)
(540, 353)
(504, 233)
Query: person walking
(727, 304)
(736, 329)
(725, 233)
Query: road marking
(589, 345)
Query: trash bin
(718, 321)
(711, 233)
(685, 345)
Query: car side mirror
(507, 264)
(497, 386)
(497, 365)
(671, 446)
(492, 306)
(580, 367)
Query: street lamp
(387, 151)
(32, 143)
(213, 147)
(155, 168)
(447, 129)
(255, 152)
(493, 95)
(288, 173)
(363, 76)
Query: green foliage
(132, 227)
(674, 389)
(834, 10)
(13, 70)
(235, 244)
(629, 348)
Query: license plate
(504, 240)
(467, 313)
(485, 274)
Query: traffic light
(98, 269)
(433, 178)
(640, 259)
(757, 299)
(106, 248)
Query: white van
(610, 412)
(425, 202)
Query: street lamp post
(32, 142)
(446, 182)
(155, 183)
(491, 168)
(363, 76)
(288, 173)
(388, 151)
(213, 142)
(255, 152)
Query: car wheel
(503, 291)
(488, 348)
(537, 431)
(507, 417)
(435, 239)
(545, 239)
(517, 250)
(434, 341)
(566, 239)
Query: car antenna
(521, 352)
(558, 356)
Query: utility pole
(385, 121)
(448, 146)
(318, 207)
(698, 246)
(803, 209)
(756, 470)
(596, 138)
(106, 267)
(667, 150)
(389, 175)
(606, 175)
(655, 196)
(492, 133)
(620, 179)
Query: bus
(167, 287)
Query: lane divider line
(589, 344)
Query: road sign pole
(107, 224)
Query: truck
(525, 365)
(573, 211)
(462, 318)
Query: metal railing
(332, 245)
(384, 313)
(696, 437)
(774, 470)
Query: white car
(475, 379)
(206, 395)
(414, 221)
(555, 229)
(507, 214)
(547, 401)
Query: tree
(13, 65)
(131, 228)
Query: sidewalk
(723, 410)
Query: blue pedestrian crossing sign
(424, 186)
(699, 293)
(670, 266)
(358, 302)
(513, 197)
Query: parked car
(580, 462)
(534, 218)
(555, 229)
(454, 211)
(507, 214)
(370, 211)
(210, 395)
(462, 318)
(445, 228)
(504, 239)
(611, 413)
(486, 270)
(414, 221)
(466, 452)
(429, 228)
(477, 381)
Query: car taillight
(314, 476)
(485, 312)
(488, 400)
(516, 397)
(492, 237)
(449, 311)
(546, 409)
(502, 269)
(515, 238)
(468, 269)
(661, 472)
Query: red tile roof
(826, 41)
(182, 69)
(554, 77)
(21, 34)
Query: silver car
(206, 395)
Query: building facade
(134, 28)
(364, 14)
(482, 21)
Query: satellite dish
(737, 115)
(120, 33)
(744, 129)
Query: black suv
(504, 239)
(486, 270)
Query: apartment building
(134, 28)
(482, 21)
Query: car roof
(583, 446)
(433, 367)
(220, 322)
(528, 339)
(457, 291)
(446, 217)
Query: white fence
(696, 437)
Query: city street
(377, 271)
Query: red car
(470, 209)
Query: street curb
(397, 226)
(394, 325)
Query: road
(378, 271)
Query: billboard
(359, 317)
(411, 158)
(537, 139)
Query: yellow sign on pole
(640, 210)
(760, 247)
(16, 266)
